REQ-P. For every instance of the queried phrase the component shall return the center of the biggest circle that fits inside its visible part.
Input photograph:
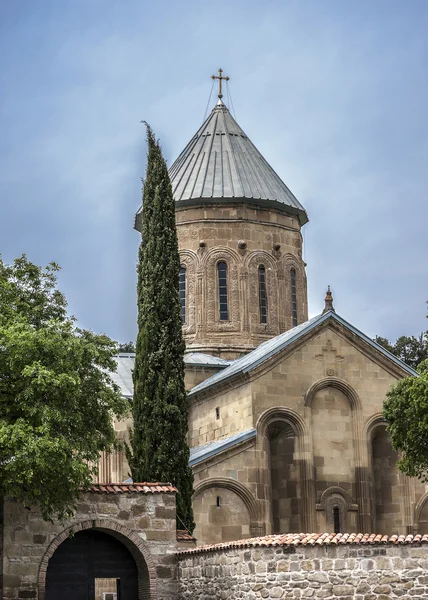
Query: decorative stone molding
(191, 262)
(211, 296)
(333, 497)
(337, 383)
(253, 261)
(288, 262)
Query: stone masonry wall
(145, 523)
(359, 572)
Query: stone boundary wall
(358, 572)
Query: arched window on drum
(222, 291)
(182, 292)
(293, 296)
(263, 295)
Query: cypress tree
(159, 450)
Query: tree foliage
(406, 411)
(159, 450)
(126, 347)
(410, 349)
(406, 406)
(56, 397)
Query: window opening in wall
(217, 412)
(222, 291)
(336, 519)
(262, 294)
(293, 296)
(218, 501)
(182, 292)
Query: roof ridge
(274, 345)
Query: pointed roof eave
(266, 350)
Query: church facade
(285, 412)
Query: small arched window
(293, 296)
(182, 292)
(336, 519)
(222, 291)
(262, 294)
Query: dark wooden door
(81, 559)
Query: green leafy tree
(410, 349)
(127, 347)
(159, 450)
(56, 397)
(406, 412)
(406, 408)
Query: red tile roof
(124, 488)
(184, 536)
(313, 539)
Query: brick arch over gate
(147, 584)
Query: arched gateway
(92, 565)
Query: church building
(285, 413)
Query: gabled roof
(273, 346)
(125, 365)
(201, 453)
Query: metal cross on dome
(220, 81)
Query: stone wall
(360, 572)
(144, 523)
(244, 237)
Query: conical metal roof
(221, 163)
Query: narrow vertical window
(262, 294)
(222, 291)
(336, 519)
(182, 292)
(293, 296)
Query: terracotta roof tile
(313, 539)
(124, 488)
(184, 536)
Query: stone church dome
(242, 277)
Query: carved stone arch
(361, 454)
(220, 252)
(281, 413)
(147, 582)
(336, 497)
(371, 424)
(336, 490)
(191, 261)
(256, 525)
(251, 264)
(418, 509)
(211, 296)
(288, 262)
(305, 458)
(337, 383)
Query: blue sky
(334, 93)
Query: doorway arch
(127, 555)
